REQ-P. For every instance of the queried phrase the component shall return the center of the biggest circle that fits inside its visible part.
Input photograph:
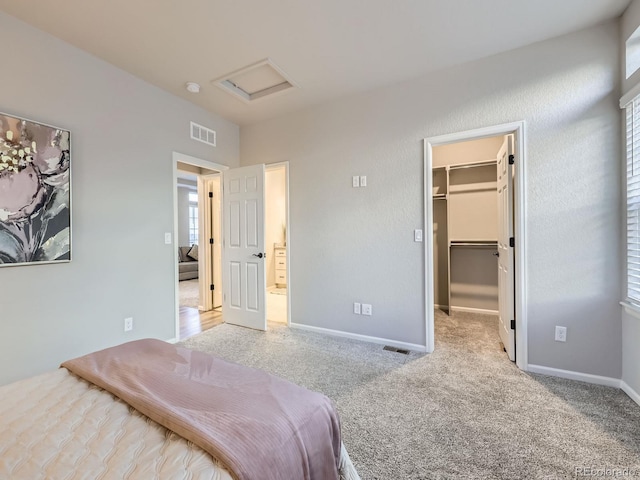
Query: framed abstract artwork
(35, 192)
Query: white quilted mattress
(58, 426)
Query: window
(633, 201)
(632, 53)
(193, 218)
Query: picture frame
(35, 192)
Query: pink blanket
(258, 425)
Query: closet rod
(473, 165)
(474, 244)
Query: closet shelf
(461, 191)
(473, 243)
(440, 196)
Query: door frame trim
(520, 183)
(198, 162)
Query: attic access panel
(256, 81)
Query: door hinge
(512, 242)
(513, 324)
(512, 159)
(211, 241)
(210, 194)
(212, 287)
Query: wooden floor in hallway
(192, 321)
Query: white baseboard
(172, 340)
(474, 310)
(365, 338)
(571, 375)
(635, 396)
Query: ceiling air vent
(260, 80)
(203, 134)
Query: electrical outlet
(356, 308)
(128, 324)
(561, 334)
(355, 181)
(367, 309)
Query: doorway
(464, 233)
(196, 235)
(256, 248)
(276, 213)
(211, 251)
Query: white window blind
(633, 201)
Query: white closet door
(505, 251)
(243, 274)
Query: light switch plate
(363, 180)
(417, 235)
(167, 238)
(356, 181)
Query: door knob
(259, 255)
(496, 254)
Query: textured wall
(123, 132)
(630, 324)
(356, 244)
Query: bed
(60, 425)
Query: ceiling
(328, 48)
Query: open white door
(505, 250)
(243, 272)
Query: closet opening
(474, 251)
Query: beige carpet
(463, 411)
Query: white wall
(630, 324)
(356, 244)
(123, 133)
